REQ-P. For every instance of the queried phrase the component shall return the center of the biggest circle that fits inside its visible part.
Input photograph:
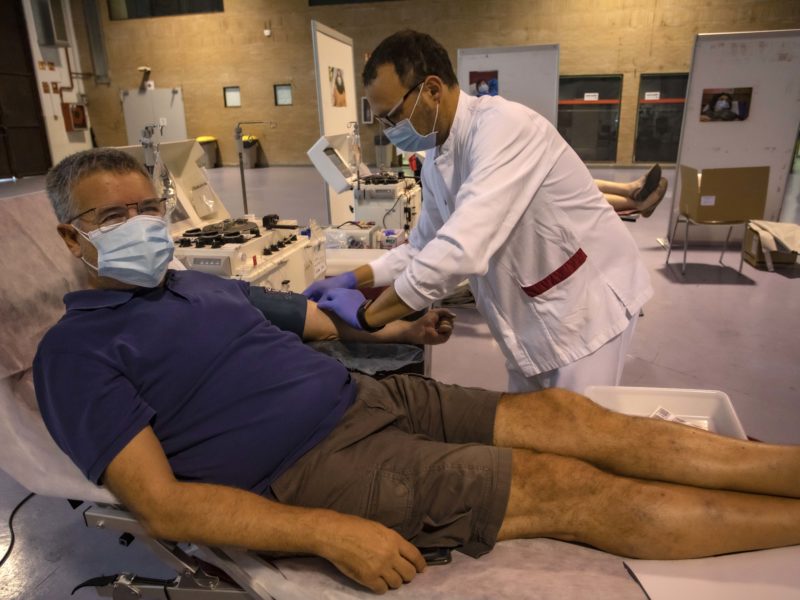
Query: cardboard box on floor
(753, 253)
(723, 195)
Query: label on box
(708, 200)
(591, 96)
(652, 95)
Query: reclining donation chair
(36, 270)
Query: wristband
(361, 317)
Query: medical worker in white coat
(510, 206)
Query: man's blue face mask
(136, 252)
(407, 138)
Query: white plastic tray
(711, 406)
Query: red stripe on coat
(557, 276)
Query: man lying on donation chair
(213, 425)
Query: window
(232, 96)
(138, 9)
(283, 94)
(588, 115)
(658, 121)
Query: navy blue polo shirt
(233, 399)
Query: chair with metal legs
(688, 220)
(729, 196)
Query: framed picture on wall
(338, 91)
(283, 94)
(366, 111)
(726, 104)
(483, 83)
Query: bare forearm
(141, 477)
(397, 332)
(364, 276)
(321, 325)
(220, 515)
(386, 308)
(365, 551)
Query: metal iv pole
(240, 147)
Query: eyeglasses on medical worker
(113, 215)
(387, 120)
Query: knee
(561, 486)
(552, 496)
(566, 403)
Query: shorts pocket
(390, 501)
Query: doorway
(24, 150)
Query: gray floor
(710, 329)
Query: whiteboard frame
(524, 66)
(334, 120)
(769, 138)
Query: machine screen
(337, 161)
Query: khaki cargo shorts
(413, 454)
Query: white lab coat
(508, 204)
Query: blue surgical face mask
(721, 105)
(407, 138)
(136, 252)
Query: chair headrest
(36, 270)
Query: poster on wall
(483, 83)
(338, 92)
(725, 104)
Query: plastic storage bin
(711, 406)
(211, 149)
(249, 151)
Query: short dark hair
(414, 55)
(66, 174)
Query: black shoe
(650, 183)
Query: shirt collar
(465, 102)
(94, 299)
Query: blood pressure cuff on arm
(285, 310)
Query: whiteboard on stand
(769, 63)
(337, 101)
(524, 74)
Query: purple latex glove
(317, 289)
(344, 303)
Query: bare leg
(636, 190)
(565, 423)
(615, 188)
(620, 203)
(564, 498)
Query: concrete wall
(203, 53)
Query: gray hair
(62, 178)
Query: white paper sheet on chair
(30, 455)
(543, 569)
(769, 574)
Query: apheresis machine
(386, 205)
(266, 251)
